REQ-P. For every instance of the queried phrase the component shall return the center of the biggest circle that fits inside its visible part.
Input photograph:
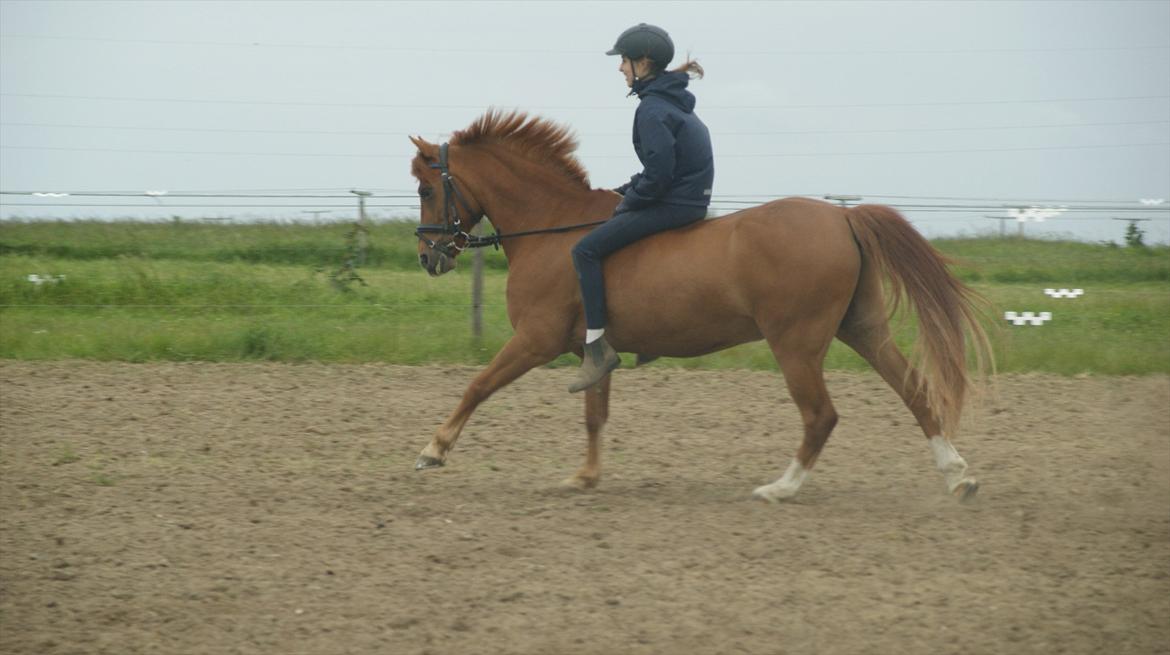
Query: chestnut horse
(795, 272)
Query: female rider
(673, 189)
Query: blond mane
(532, 137)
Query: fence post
(361, 228)
(477, 291)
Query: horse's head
(447, 213)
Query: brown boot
(600, 359)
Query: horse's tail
(947, 309)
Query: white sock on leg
(949, 462)
(593, 335)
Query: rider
(673, 189)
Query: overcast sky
(903, 103)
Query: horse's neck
(520, 196)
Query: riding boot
(600, 359)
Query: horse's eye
(425, 192)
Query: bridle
(453, 225)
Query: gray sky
(897, 102)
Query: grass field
(210, 292)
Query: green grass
(1067, 263)
(392, 244)
(202, 292)
(135, 310)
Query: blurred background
(966, 116)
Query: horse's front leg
(596, 413)
(516, 358)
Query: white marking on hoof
(953, 468)
(784, 488)
(578, 483)
(430, 457)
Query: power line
(622, 133)
(723, 205)
(221, 130)
(1072, 213)
(192, 206)
(204, 152)
(981, 203)
(626, 156)
(247, 306)
(228, 193)
(925, 152)
(899, 130)
(624, 107)
(991, 206)
(973, 210)
(180, 194)
(1030, 201)
(591, 52)
(411, 193)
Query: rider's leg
(616, 233)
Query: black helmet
(644, 40)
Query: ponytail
(691, 68)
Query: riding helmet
(643, 40)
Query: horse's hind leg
(803, 368)
(873, 342)
(596, 413)
(516, 358)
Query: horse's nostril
(422, 259)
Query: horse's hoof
(772, 495)
(578, 483)
(966, 491)
(425, 462)
(767, 498)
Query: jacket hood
(669, 86)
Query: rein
(494, 239)
(453, 225)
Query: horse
(795, 272)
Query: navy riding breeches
(615, 234)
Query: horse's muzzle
(436, 263)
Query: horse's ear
(426, 149)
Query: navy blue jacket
(673, 145)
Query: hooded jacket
(673, 145)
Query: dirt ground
(273, 509)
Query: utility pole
(361, 229)
(1002, 224)
(1033, 213)
(1021, 214)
